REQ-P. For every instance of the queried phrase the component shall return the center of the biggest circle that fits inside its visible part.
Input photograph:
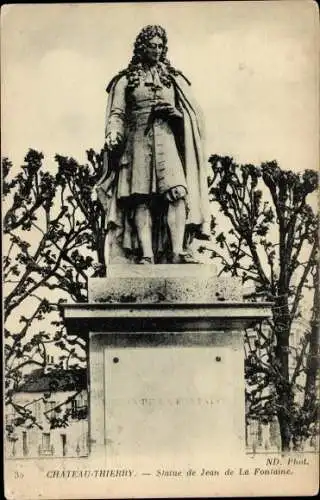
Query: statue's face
(154, 49)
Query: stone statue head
(150, 44)
(150, 47)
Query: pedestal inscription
(169, 401)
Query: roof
(54, 380)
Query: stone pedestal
(166, 360)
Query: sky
(253, 67)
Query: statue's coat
(189, 137)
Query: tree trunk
(312, 363)
(310, 397)
(285, 431)
(101, 239)
(284, 396)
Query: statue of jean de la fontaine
(154, 183)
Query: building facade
(50, 397)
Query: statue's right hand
(113, 140)
(165, 109)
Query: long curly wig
(139, 62)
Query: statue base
(166, 361)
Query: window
(46, 448)
(79, 408)
(24, 444)
(9, 418)
(64, 444)
(37, 411)
(46, 441)
(50, 405)
(74, 408)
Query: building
(50, 396)
(262, 435)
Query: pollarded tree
(79, 180)
(272, 243)
(53, 236)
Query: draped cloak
(189, 136)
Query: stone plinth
(193, 283)
(166, 360)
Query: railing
(46, 451)
(80, 412)
(266, 438)
(11, 450)
(263, 437)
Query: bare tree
(53, 235)
(272, 242)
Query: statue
(154, 184)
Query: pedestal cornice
(81, 318)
